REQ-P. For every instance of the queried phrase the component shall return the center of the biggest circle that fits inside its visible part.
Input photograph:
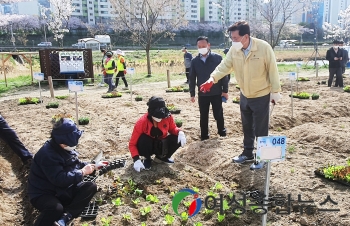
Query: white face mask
(335, 47)
(203, 51)
(67, 148)
(237, 45)
(156, 119)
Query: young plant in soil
(175, 89)
(145, 210)
(303, 79)
(221, 217)
(138, 98)
(347, 89)
(127, 217)
(197, 224)
(336, 172)
(111, 95)
(152, 198)
(169, 220)
(56, 118)
(186, 89)
(301, 95)
(117, 202)
(165, 208)
(106, 221)
(178, 122)
(315, 96)
(235, 100)
(62, 97)
(173, 109)
(136, 201)
(83, 121)
(28, 100)
(52, 105)
(184, 216)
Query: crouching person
(155, 133)
(55, 182)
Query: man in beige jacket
(254, 65)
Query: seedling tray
(90, 211)
(177, 111)
(90, 178)
(319, 173)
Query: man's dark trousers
(338, 77)
(204, 105)
(255, 120)
(188, 73)
(11, 138)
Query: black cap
(336, 42)
(157, 108)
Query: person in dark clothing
(155, 133)
(109, 66)
(335, 56)
(11, 139)
(345, 59)
(201, 68)
(55, 183)
(187, 62)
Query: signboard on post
(292, 76)
(271, 148)
(38, 76)
(298, 65)
(75, 86)
(130, 71)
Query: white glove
(275, 97)
(181, 138)
(138, 165)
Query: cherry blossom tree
(148, 21)
(344, 22)
(333, 31)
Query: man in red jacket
(155, 133)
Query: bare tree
(148, 21)
(276, 14)
(97, 29)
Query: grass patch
(13, 83)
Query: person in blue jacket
(55, 181)
(201, 68)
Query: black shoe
(204, 138)
(242, 159)
(222, 133)
(187, 82)
(64, 220)
(147, 164)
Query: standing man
(121, 69)
(187, 62)
(201, 67)
(335, 56)
(345, 59)
(254, 64)
(10, 137)
(108, 71)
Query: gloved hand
(275, 97)
(138, 165)
(124, 72)
(88, 169)
(205, 87)
(181, 138)
(101, 164)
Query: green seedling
(291, 149)
(117, 202)
(143, 224)
(132, 184)
(152, 198)
(85, 224)
(145, 210)
(106, 221)
(221, 217)
(172, 194)
(279, 129)
(138, 191)
(198, 224)
(127, 217)
(217, 187)
(184, 216)
(292, 170)
(207, 211)
(165, 208)
(195, 189)
(225, 205)
(211, 193)
(187, 204)
(230, 195)
(62, 97)
(169, 219)
(136, 201)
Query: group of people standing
(111, 66)
(338, 57)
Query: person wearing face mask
(345, 56)
(155, 133)
(55, 181)
(335, 56)
(201, 67)
(254, 64)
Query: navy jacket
(53, 171)
(330, 57)
(201, 71)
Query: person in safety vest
(121, 69)
(108, 68)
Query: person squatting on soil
(345, 59)
(335, 56)
(155, 133)
(108, 70)
(201, 67)
(254, 64)
(187, 63)
(55, 182)
(11, 139)
(121, 69)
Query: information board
(71, 61)
(271, 148)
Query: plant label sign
(130, 70)
(271, 148)
(38, 76)
(292, 76)
(298, 65)
(75, 86)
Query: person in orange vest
(109, 66)
(121, 69)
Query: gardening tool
(259, 165)
(97, 158)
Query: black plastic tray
(90, 211)
(321, 174)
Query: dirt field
(317, 135)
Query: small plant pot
(178, 123)
(186, 90)
(111, 95)
(83, 121)
(138, 98)
(51, 106)
(323, 82)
